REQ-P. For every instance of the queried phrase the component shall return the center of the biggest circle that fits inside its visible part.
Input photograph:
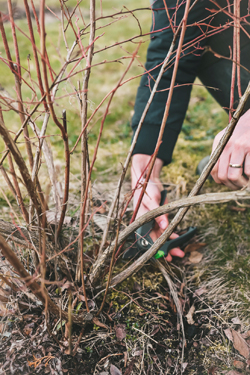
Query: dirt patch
(142, 335)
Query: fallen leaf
(67, 351)
(190, 314)
(100, 221)
(67, 285)
(212, 370)
(81, 297)
(246, 335)
(67, 330)
(120, 332)
(236, 320)
(2, 326)
(239, 364)
(91, 304)
(239, 209)
(170, 362)
(182, 288)
(130, 367)
(184, 366)
(27, 331)
(114, 370)
(194, 247)
(195, 257)
(228, 333)
(101, 208)
(155, 331)
(52, 218)
(99, 324)
(238, 342)
(125, 358)
(233, 372)
(200, 291)
(137, 353)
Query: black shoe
(201, 166)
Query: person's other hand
(152, 197)
(237, 151)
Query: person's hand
(152, 197)
(237, 153)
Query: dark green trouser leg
(216, 72)
(211, 70)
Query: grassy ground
(223, 273)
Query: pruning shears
(143, 241)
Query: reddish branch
(23, 126)
(15, 189)
(67, 16)
(55, 119)
(233, 76)
(22, 168)
(33, 42)
(18, 75)
(237, 16)
(84, 143)
(5, 43)
(14, 37)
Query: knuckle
(233, 177)
(222, 176)
(238, 144)
(214, 175)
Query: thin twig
(18, 75)
(34, 48)
(15, 189)
(22, 167)
(22, 127)
(55, 119)
(237, 15)
(174, 294)
(9, 183)
(84, 147)
(233, 75)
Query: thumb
(153, 203)
(162, 221)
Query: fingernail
(162, 224)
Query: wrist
(141, 162)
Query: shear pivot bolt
(144, 242)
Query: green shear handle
(144, 241)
